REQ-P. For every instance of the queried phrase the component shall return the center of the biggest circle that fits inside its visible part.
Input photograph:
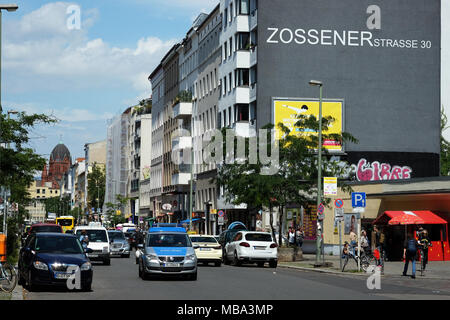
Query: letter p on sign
(358, 199)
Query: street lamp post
(10, 8)
(319, 175)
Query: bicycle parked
(8, 277)
(366, 258)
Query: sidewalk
(17, 293)
(435, 269)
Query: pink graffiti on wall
(366, 171)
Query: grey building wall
(391, 94)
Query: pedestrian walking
(299, 236)
(409, 254)
(364, 241)
(379, 244)
(424, 243)
(291, 237)
(353, 242)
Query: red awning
(427, 217)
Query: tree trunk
(280, 230)
(271, 223)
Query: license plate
(205, 249)
(62, 275)
(260, 248)
(171, 264)
(93, 255)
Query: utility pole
(319, 175)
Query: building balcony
(180, 143)
(253, 56)
(181, 179)
(243, 95)
(243, 23)
(182, 110)
(243, 59)
(244, 129)
(253, 92)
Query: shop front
(397, 225)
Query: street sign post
(338, 203)
(320, 212)
(220, 220)
(358, 199)
(330, 186)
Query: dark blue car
(46, 257)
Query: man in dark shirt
(409, 253)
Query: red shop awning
(420, 217)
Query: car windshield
(168, 240)
(54, 228)
(258, 237)
(95, 235)
(65, 222)
(63, 245)
(204, 239)
(116, 236)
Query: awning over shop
(422, 217)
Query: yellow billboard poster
(287, 110)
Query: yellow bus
(66, 222)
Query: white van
(98, 241)
(127, 226)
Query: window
(242, 77)
(207, 81)
(243, 7)
(230, 42)
(231, 11)
(242, 112)
(225, 16)
(230, 81)
(38, 190)
(225, 51)
(212, 82)
(243, 41)
(43, 191)
(224, 85)
(229, 116)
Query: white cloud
(42, 45)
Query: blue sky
(87, 76)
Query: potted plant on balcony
(183, 96)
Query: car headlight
(191, 257)
(40, 265)
(127, 246)
(86, 266)
(151, 257)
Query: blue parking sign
(358, 199)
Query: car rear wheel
(225, 259)
(107, 262)
(218, 263)
(236, 261)
(273, 264)
(260, 264)
(126, 255)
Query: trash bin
(2, 248)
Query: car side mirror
(88, 250)
(140, 246)
(196, 246)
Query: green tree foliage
(18, 164)
(96, 186)
(445, 146)
(58, 205)
(296, 178)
